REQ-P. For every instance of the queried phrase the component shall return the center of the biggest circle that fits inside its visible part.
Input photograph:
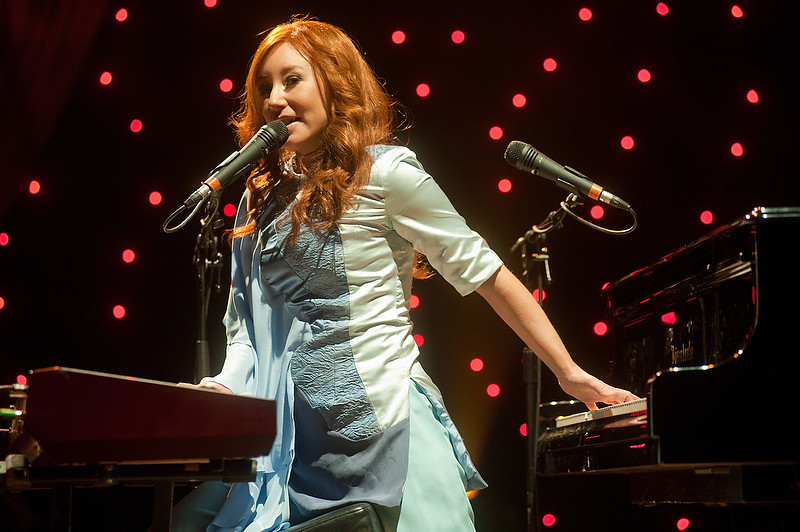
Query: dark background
(61, 272)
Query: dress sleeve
(421, 213)
(238, 369)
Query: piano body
(89, 429)
(707, 337)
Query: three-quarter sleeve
(421, 213)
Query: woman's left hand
(591, 390)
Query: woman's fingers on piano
(208, 385)
(591, 390)
(630, 397)
(215, 386)
(620, 396)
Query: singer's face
(291, 93)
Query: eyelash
(264, 90)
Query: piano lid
(699, 305)
(697, 252)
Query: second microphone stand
(535, 274)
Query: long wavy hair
(360, 114)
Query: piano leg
(162, 506)
(61, 507)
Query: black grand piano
(707, 336)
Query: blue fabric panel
(331, 470)
(312, 276)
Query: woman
(318, 315)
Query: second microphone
(528, 159)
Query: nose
(273, 105)
(276, 100)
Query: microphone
(528, 159)
(268, 139)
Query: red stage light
(585, 14)
(22, 379)
(662, 8)
(504, 185)
(413, 301)
(34, 187)
(128, 256)
(4, 239)
(419, 340)
(226, 85)
(752, 96)
(398, 37)
(210, 3)
(457, 36)
(644, 75)
(535, 295)
(229, 209)
(2, 302)
(155, 197)
(682, 523)
(670, 318)
(706, 217)
(519, 100)
(548, 520)
(600, 328)
(105, 78)
(736, 149)
(737, 12)
(119, 311)
(626, 142)
(523, 429)
(122, 15)
(476, 364)
(550, 64)
(493, 390)
(495, 132)
(136, 125)
(597, 212)
(423, 90)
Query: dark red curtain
(44, 47)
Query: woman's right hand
(207, 385)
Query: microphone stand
(208, 261)
(535, 274)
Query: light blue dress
(323, 329)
